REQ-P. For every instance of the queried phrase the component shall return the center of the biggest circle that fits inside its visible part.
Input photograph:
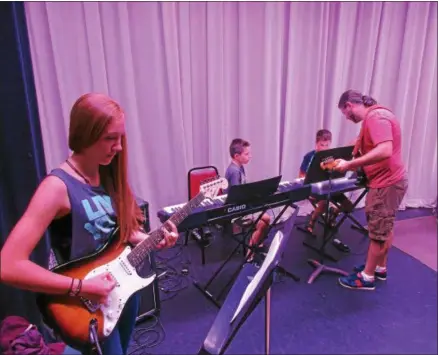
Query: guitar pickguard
(127, 283)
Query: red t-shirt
(380, 125)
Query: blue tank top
(89, 225)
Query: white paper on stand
(249, 291)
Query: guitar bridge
(91, 306)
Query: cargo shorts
(381, 206)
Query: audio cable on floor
(147, 337)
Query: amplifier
(149, 296)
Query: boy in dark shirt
(323, 142)
(240, 152)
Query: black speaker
(150, 295)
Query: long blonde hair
(89, 117)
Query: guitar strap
(357, 150)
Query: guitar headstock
(211, 187)
(328, 163)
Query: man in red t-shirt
(379, 147)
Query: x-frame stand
(328, 234)
(356, 224)
(204, 289)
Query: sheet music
(249, 291)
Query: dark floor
(399, 317)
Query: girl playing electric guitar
(81, 202)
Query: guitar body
(328, 164)
(71, 316)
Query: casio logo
(236, 208)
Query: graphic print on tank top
(98, 210)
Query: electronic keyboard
(216, 210)
(336, 186)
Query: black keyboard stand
(349, 214)
(328, 235)
(311, 241)
(242, 242)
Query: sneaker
(378, 275)
(356, 282)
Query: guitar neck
(142, 250)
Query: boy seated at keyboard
(240, 152)
(323, 142)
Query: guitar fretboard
(140, 252)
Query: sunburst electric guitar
(71, 317)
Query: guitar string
(138, 254)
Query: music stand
(251, 286)
(252, 191)
(243, 195)
(316, 174)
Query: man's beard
(353, 118)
